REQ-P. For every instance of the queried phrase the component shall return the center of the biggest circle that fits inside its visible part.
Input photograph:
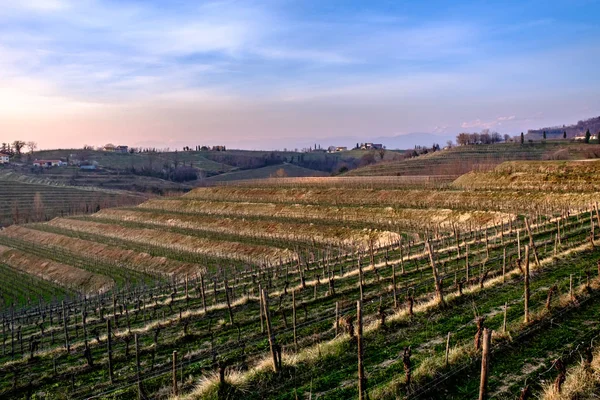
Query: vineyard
(328, 288)
(462, 159)
(23, 201)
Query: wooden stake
(361, 371)
(526, 284)
(67, 345)
(394, 285)
(109, 347)
(262, 323)
(518, 243)
(504, 323)
(438, 284)
(270, 334)
(467, 264)
(485, 367)
(174, 372)
(447, 348)
(294, 319)
(532, 244)
(337, 318)
(504, 265)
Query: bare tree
(18, 145)
(32, 146)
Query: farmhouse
(4, 158)
(49, 163)
(371, 146)
(116, 149)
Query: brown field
(405, 218)
(325, 234)
(458, 199)
(139, 261)
(177, 241)
(58, 273)
(561, 176)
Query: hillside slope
(462, 159)
(571, 176)
(26, 199)
(285, 170)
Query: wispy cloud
(374, 66)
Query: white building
(48, 163)
(4, 158)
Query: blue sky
(274, 74)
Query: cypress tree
(587, 136)
(522, 138)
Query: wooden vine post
(485, 364)
(467, 263)
(526, 301)
(109, 348)
(394, 284)
(532, 244)
(438, 284)
(174, 373)
(64, 311)
(272, 344)
(447, 349)
(294, 319)
(361, 370)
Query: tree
(544, 135)
(32, 146)
(506, 137)
(522, 138)
(587, 136)
(381, 153)
(564, 134)
(18, 145)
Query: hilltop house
(49, 163)
(116, 149)
(371, 146)
(4, 158)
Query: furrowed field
(329, 288)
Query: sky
(274, 74)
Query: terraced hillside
(283, 170)
(462, 159)
(275, 292)
(24, 200)
(556, 176)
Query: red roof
(4, 155)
